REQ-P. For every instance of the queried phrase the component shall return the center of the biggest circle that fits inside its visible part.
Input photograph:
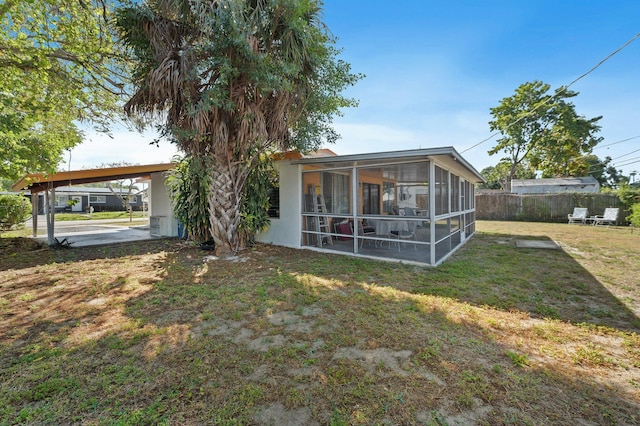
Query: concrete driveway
(83, 233)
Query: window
(274, 202)
(133, 199)
(393, 188)
(455, 193)
(370, 198)
(97, 199)
(335, 188)
(61, 200)
(469, 201)
(388, 197)
(442, 191)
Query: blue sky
(434, 69)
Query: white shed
(586, 184)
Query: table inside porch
(389, 226)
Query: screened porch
(416, 206)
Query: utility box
(163, 226)
(162, 221)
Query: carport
(159, 204)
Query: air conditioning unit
(163, 226)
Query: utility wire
(562, 90)
(636, 160)
(617, 142)
(604, 60)
(601, 166)
(632, 152)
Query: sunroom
(414, 206)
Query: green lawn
(99, 216)
(156, 333)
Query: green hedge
(14, 210)
(634, 217)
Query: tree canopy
(232, 79)
(544, 129)
(499, 176)
(60, 65)
(602, 170)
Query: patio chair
(406, 236)
(610, 217)
(365, 230)
(343, 229)
(579, 215)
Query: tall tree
(500, 175)
(542, 128)
(231, 80)
(571, 137)
(602, 170)
(59, 64)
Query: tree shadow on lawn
(281, 334)
(546, 283)
(48, 292)
(338, 327)
(24, 253)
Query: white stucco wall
(160, 207)
(286, 230)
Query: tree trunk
(225, 194)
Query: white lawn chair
(579, 215)
(610, 217)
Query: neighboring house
(586, 184)
(415, 206)
(84, 197)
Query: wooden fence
(543, 208)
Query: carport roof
(38, 182)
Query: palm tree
(231, 80)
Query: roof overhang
(447, 156)
(40, 182)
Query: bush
(188, 188)
(14, 210)
(634, 217)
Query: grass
(151, 333)
(100, 216)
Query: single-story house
(587, 184)
(415, 206)
(83, 198)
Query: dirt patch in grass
(11, 246)
(156, 333)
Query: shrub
(189, 184)
(634, 217)
(14, 210)
(189, 187)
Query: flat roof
(585, 180)
(38, 182)
(447, 155)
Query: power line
(617, 142)
(605, 59)
(632, 152)
(636, 160)
(563, 89)
(601, 166)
